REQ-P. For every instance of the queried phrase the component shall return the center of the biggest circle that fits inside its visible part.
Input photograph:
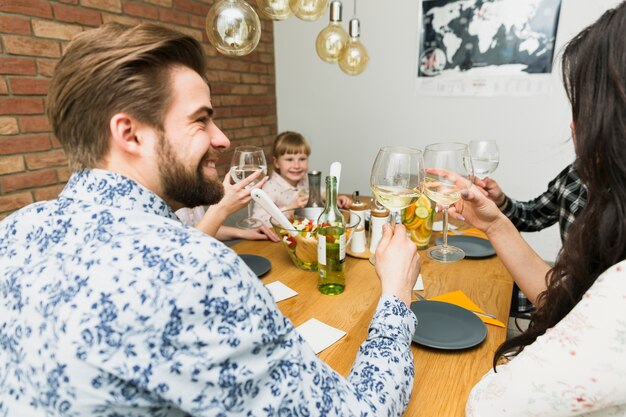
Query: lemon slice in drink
(422, 212)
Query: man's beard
(190, 188)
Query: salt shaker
(358, 244)
(379, 216)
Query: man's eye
(202, 120)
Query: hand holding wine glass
(485, 157)
(397, 178)
(449, 170)
(246, 161)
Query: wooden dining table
(443, 378)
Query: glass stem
(392, 218)
(445, 230)
(250, 210)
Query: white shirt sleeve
(577, 368)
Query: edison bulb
(308, 10)
(354, 59)
(332, 40)
(274, 9)
(233, 27)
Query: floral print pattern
(577, 368)
(111, 307)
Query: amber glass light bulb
(274, 9)
(233, 27)
(354, 59)
(332, 40)
(308, 10)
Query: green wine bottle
(331, 244)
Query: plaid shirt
(563, 200)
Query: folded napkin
(469, 232)
(419, 284)
(460, 299)
(280, 291)
(319, 335)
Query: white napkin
(419, 285)
(319, 335)
(280, 291)
(438, 226)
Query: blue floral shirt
(110, 306)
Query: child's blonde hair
(290, 143)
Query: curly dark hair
(594, 76)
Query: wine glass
(397, 178)
(449, 170)
(246, 161)
(485, 157)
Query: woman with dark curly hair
(572, 359)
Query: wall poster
(486, 47)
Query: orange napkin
(460, 299)
(469, 232)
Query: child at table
(289, 184)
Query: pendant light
(354, 58)
(308, 10)
(233, 27)
(332, 40)
(274, 9)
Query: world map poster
(486, 47)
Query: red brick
(140, 10)
(10, 105)
(48, 193)
(34, 124)
(46, 159)
(25, 143)
(17, 182)
(8, 126)
(197, 21)
(164, 3)
(38, 8)
(47, 66)
(15, 201)
(21, 45)
(64, 174)
(29, 86)
(3, 87)
(257, 100)
(108, 5)
(173, 16)
(71, 14)
(55, 142)
(125, 20)
(10, 164)
(55, 30)
(14, 24)
(69, 1)
(191, 7)
(21, 66)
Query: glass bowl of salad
(300, 240)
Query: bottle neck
(331, 192)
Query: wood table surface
(443, 379)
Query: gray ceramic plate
(474, 247)
(258, 264)
(447, 326)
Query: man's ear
(124, 131)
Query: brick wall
(33, 34)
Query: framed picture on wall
(486, 47)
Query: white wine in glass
(397, 178)
(485, 157)
(449, 170)
(246, 161)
